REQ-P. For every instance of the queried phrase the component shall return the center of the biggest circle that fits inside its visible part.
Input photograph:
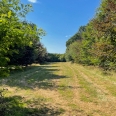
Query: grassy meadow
(59, 89)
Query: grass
(59, 89)
(106, 79)
(90, 93)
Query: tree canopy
(98, 45)
(15, 32)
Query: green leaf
(9, 14)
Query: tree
(77, 36)
(73, 46)
(98, 46)
(41, 53)
(74, 50)
(54, 57)
(105, 26)
(13, 32)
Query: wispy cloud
(33, 1)
(68, 36)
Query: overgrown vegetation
(54, 57)
(95, 44)
(19, 40)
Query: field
(60, 89)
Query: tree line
(95, 43)
(20, 45)
(19, 40)
(55, 57)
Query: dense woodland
(95, 43)
(53, 57)
(20, 45)
(19, 40)
(51, 89)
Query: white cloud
(68, 36)
(33, 1)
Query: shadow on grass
(31, 77)
(14, 106)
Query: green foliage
(23, 56)
(73, 46)
(76, 37)
(73, 52)
(105, 25)
(54, 57)
(86, 47)
(98, 46)
(15, 34)
(62, 58)
(41, 53)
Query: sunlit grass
(106, 79)
(60, 89)
(88, 92)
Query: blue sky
(60, 19)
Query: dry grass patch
(60, 89)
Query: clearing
(60, 89)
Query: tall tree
(98, 46)
(13, 31)
(105, 26)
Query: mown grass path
(61, 89)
